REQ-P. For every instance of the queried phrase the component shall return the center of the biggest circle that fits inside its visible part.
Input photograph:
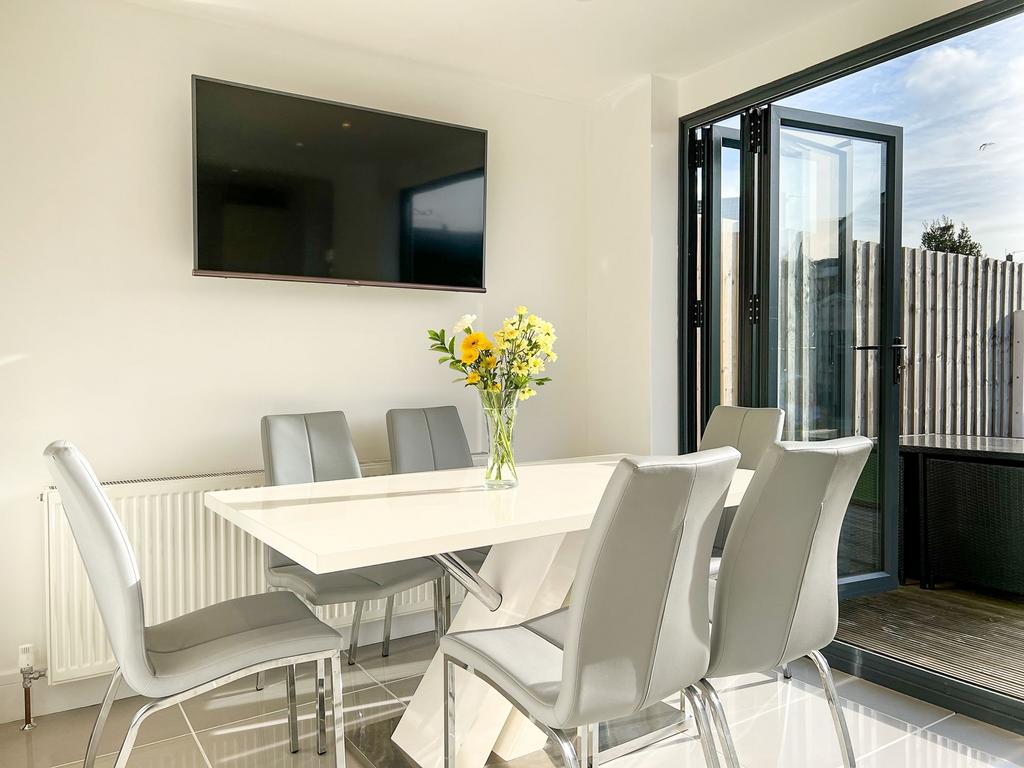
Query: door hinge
(755, 132)
(754, 309)
(697, 153)
(698, 314)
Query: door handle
(898, 348)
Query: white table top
(333, 526)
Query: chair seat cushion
(520, 662)
(370, 583)
(553, 627)
(227, 637)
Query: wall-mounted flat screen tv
(295, 188)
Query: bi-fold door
(793, 246)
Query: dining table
(535, 532)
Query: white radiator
(188, 557)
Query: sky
(951, 99)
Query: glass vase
(500, 415)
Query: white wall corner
(664, 287)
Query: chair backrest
(776, 598)
(108, 558)
(749, 430)
(423, 439)
(306, 448)
(638, 619)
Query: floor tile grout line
(195, 738)
(114, 752)
(917, 730)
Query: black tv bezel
(197, 272)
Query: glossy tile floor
(775, 723)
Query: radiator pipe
(29, 675)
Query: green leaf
(451, 346)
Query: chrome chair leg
(93, 746)
(720, 722)
(583, 745)
(439, 626)
(447, 601)
(564, 742)
(587, 738)
(449, 713)
(787, 673)
(838, 718)
(321, 708)
(259, 681)
(700, 715)
(389, 609)
(353, 644)
(293, 715)
(337, 703)
(133, 732)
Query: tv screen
(295, 188)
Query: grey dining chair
(585, 664)
(182, 658)
(749, 430)
(427, 439)
(776, 598)
(314, 447)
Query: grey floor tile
(240, 700)
(370, 717)
(62, 737)
(409, 656)
(179, 752)
(983, 737)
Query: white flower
(463, 323)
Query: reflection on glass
(831, 194)
(729, 278)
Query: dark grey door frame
(924, 684)
(890, 311)
(750, 105)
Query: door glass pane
(831, 196)
(728, 305)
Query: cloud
(945, 68)
(950, 98)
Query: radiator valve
(29, 674)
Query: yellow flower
(520, 368)
(536, 365)
(521, 310)
(489, 362)
(477, 342)
(473, 378)
(526, 394)
(552, 357)
(532, 321)
(469, 356)
(495, 387)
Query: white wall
(632, 269)
(619, 271)
(109, 341)
(848, 28)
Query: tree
(942, 235)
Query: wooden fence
(957, 323)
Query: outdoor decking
(977, 638)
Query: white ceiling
(572, 49)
